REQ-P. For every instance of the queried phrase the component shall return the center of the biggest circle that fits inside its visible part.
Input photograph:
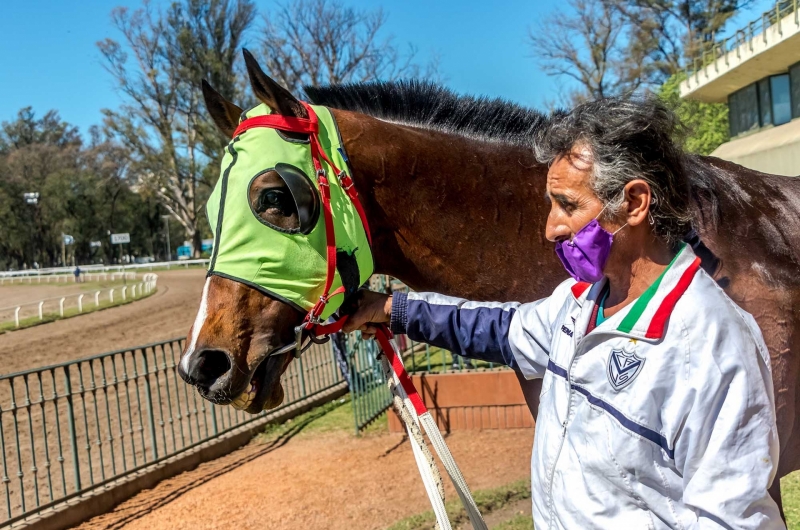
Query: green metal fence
(69, 428)
(369, 392)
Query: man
(657, 406)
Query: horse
(455, 203)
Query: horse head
(273, 227)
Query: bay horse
(455, 203)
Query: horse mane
(432, 106)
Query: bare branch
(314, 42)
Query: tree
(674, 31)
(36, 153)
(316, 42)
(172, 143)
(84, 191)
(707, 123)
(594, 47)
(613, 47)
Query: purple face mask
(586, 254)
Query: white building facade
(756, 72)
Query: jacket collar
(647, 316)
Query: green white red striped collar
(647, 316)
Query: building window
(794, 74)
(764, 102)
(781, 99)
(743, 110)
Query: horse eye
(275, 198)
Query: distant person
(77, 274)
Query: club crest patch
(623, 367)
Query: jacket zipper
(564, 424)
(563, 434)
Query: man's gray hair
(629, 138)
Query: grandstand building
(756, 72)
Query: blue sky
(49, 59)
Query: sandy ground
(167, 314)
(24, 293)
(321, 481)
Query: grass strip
(520, 522)
(29, 322)
(487, 500)
(334, 416)
(790, 494)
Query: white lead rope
(414, 414)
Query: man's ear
(638, 198)
(224, 113)
(274, 96)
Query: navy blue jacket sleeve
(475, 330)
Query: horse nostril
(207, 366)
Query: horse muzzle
(220, 381)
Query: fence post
(73, 440)
(16, 316)
(41, 315)
(61, 305)
(97, 299)
(111, 295)
(302, 376)
(214, 419)
(124, 290)
(80, 304)
(150, 418)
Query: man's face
(573, 204)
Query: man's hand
(372, 309)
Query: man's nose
(557, 232)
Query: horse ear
(224, 113)
(277, 98)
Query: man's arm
(513, 334)
(471, 329)
(728, 447)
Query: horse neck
(457, 215)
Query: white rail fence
(79, 301)
(85, 269)
(67, 278)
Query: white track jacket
(661, 417)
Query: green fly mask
(314, 265)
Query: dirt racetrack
(15, 294)
(331, 481)
(167, 314)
